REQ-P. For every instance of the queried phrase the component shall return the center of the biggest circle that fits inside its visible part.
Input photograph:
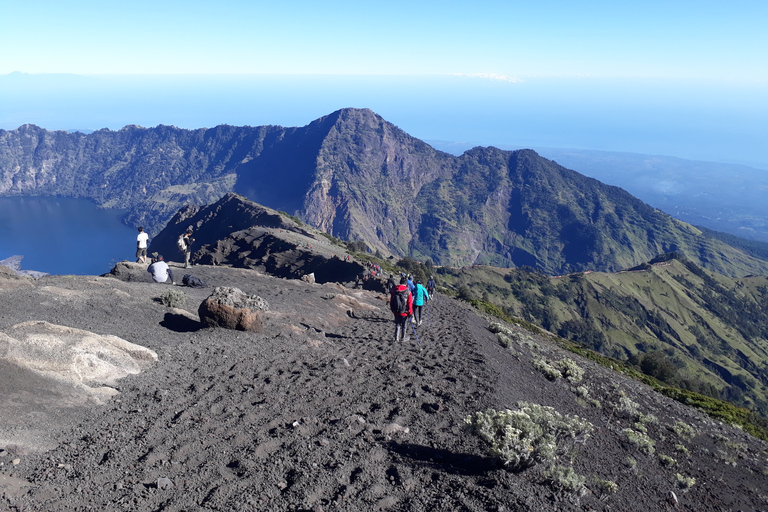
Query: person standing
(141, 246)
(420, 297)
(401, 305)
(188, 247)
(160, 271)
(391, 283)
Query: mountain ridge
(359, 177)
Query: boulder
(232, 308)
(309, 278)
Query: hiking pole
(414, 332)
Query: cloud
(491, 76)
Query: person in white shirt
(141, 246)
(160, 271)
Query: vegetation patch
(565, 480)
(565, 368)
(529, 435)
(640, 440)
(173, 298)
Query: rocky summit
(321, 410)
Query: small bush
(173, 298)
(666, 460)
(565, 479)
(628, 408)
(528, 435)
(685, 482)
(683, 430)
(681, 448)
(606, 486)
(641, 440)
(565, 368)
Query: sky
(673, 77)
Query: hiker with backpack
(420, 297)
(431, 286)
(185, 245)
(401, 304)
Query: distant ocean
(64, 236)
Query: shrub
(683, 430)
(173, 298)
(565, 368)
(606, 486)
(641, 440)
(528, 435)
(565, 479)
(685, 482)
(628, 407)
(666, 460)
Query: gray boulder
(232, 308)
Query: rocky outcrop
(231, 308)
(238, 232)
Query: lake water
(63, 235)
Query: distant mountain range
(358, 177)
(723, 197)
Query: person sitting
(160, 271)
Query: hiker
(160, 271)
(391, 283)
(420, 297)
(409, 283)
(401, 304)
(431, 286)
(141, 246)
(185, 244)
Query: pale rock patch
(90, 361)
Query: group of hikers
(161, 272)
(407, 301)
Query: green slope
(690, 327)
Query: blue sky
(683, 78)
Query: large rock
(232, 308)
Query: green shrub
(666, 460)
(565, 368)
(683, 430)
(173, 298)
(628, 407)
(641, 440)
(606, 486)
(529, 435)
(565, 479)
(685, 482)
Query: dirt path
(323, 412)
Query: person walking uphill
(420, 297)
(401, 304)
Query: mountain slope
(690, 327)
(356, 176)
(322, 411)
